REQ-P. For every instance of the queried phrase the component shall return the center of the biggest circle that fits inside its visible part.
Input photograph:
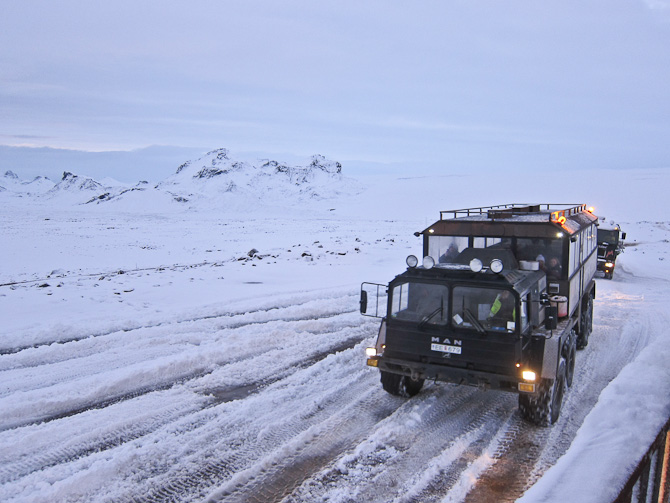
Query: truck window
(445, 249)
(576, 255)
(548, 252)
(524, 312)
(484, 309)
(481, 242)
(420, 302)
(609, 237)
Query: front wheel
(544, 408)
(399, 385)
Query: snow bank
(615, 435)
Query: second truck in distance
(502, 300)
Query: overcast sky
(462, 84)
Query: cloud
(662, 5)
(357, 79)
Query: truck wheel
(544, 408)
(570, 354)
(399, 385)
(585, 323)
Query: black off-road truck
(610, 245)
(502, 300)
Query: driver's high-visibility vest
(497, 305)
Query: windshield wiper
(426, 319)
(473, 321)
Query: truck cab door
(373, 301)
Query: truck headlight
(496, 265)
(371, 351)
(609, 264)
(528, 375)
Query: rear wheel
(400, 385)
(544, 408)
(570, 353)
(585, 322)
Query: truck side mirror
(623, 235)
(364, 302)
(550, 317)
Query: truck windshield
(424, 303)
(483, 309)
(609, 237)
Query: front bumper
(468, 377)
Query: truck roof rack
(554, 211)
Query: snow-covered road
(275, 404)
(154, 354)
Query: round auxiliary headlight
(496, 265)
(428, 262)
(476, 265)
(412, 261)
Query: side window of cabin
(445, 249)
(482, 242)
(548, 252)
(575, 253)
(400, 298)
(593, 239)
(525, 302)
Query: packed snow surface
(200, 339)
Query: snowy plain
(200, 340)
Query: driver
(503, 308)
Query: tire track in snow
(216, 396)
(274, 313)
(276, 442)
(305, 320)
(84, 404)
(418, 453)
(65, 447)
(145, 345)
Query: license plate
(456, 350)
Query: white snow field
(200, 340)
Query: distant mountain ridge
(214, 179)
(74, 182)
(10, 182)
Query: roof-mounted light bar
(495, 266)
(428, 262)
(476, 265)
(412, 261)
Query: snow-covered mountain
(216, 179)
(73, 183)
(11, 183)
(219, 175)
